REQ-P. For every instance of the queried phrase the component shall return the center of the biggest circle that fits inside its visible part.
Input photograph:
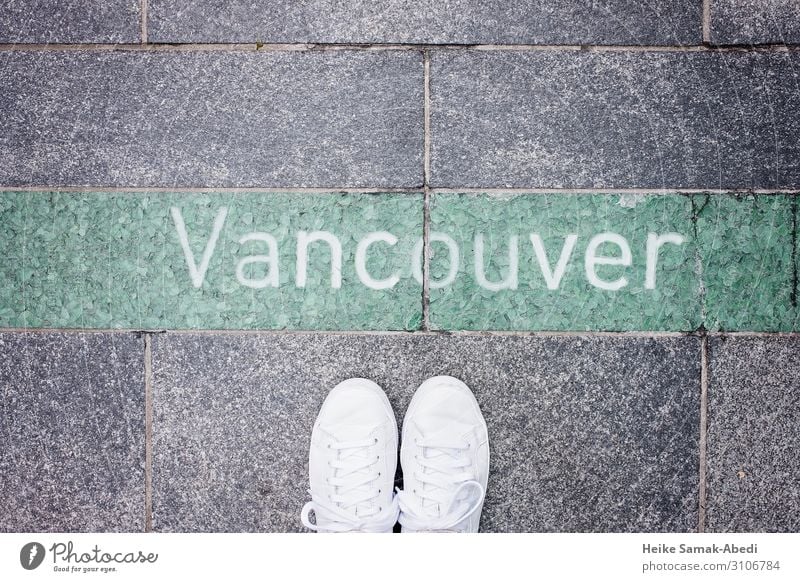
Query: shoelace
(442, 468)
(339, 511)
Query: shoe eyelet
(379, 491)
(375, 441)
(380, 509)
(379, 473)
(329, 445)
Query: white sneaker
(352, 461)
(445, 459)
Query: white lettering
(654, 242)
(198, 274)
(592, 260)
(510, 282)
(361, 260)
(553, 278)
(271, 279)
(452, 248)
(303, 240)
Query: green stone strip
(100, 260)
(527, 262)
(796, 267)
(746, 251)
(725, 262)
(566, 229)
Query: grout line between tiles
(706, 21)
(455, 333)
(579, 191)
(148, 433)
(332, 47)
(206, 190)
(379, 190)
(426, 154)
(703, 492)
(144, 8)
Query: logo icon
(31, 555)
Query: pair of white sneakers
(353, 458)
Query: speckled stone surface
(551, 119)
(754, 434)
(755, 21)
(60, 21)
(586, 434)
(72, 426)
(221, 118)
(576, 303)
(745, 249)
(101, 260)
(427, 21)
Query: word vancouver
(552, 269)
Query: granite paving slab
(427, 21)
(753, 434)
(611, 119)
(211, 119)
(72, 432)
(755, 21)
(57, 21)
(586, 433)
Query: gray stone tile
(427, 21)
(227, 119)
(57, 21)
(755, 21)
(754, 434)
(72, 426)
(587, 434)
(610, 119)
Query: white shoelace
(349, 508)
(443, 466)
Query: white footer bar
(423, 557)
